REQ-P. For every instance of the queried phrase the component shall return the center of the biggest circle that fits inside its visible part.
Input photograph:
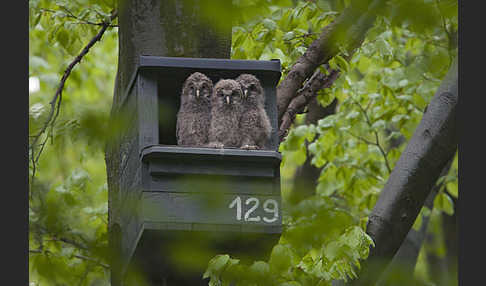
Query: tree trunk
(402, 267)
(171, 28)
(434, 142)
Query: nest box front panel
(187, 187)
(199, 188)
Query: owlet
(194, 113)
(255, 125)
(225, 114)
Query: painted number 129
(270, 206)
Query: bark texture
(305, 96)
(433, 144)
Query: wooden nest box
(174, 201)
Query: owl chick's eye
(252, 87)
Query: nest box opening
(169, 75)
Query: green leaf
(259, 271)
(353, 114)
(452, 188)
(280, 258)
(378, 125)
(383, 47)
(325, 97)
(444, 203)
(216, 265)
(374, 96)
(62, 36)
(418, 223)
(269, 24)
(288, 36)
(342, 63)
(327, 122)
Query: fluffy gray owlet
(225, 114)
(194, 113)
(255, 125)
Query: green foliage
(334, 257)
(283, 33)
(382, 92)
(68, 205)
(294, 148)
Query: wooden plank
(271, 69)
(147, 106)
(235, 154)
(274, 229)
(232, 209)
(161, 167)
(203, 184)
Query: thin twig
(377, 140)
(70, 242)
(364, 170)
(54, 237)
(96, 261)
(69, 14)
(361, 138)
(301, 38)
(55, 103)
(92, 260)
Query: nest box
(168, 193)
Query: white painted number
(252, 209)
(237, 202)
(270, 206)
(268, 209)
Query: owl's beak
(197, 93)
(227, 99)
(245, 93)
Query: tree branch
(310, 90)
(57, 98)
(346, 32)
